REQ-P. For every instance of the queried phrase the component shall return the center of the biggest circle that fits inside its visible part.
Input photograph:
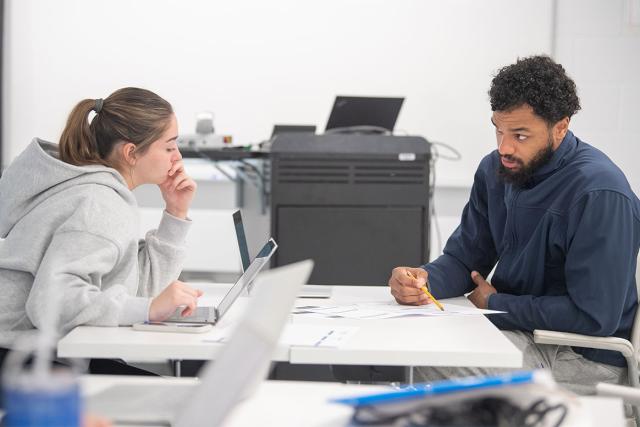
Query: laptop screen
(244, 361)
(247, 277)
(280, 129)
(238, 368)
(364, 111)
(242, 239)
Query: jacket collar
(563, 155)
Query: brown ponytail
(78, 144)
(130, 114)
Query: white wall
(600, 47)
(204, 253)
(255, 63)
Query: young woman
(69, 252)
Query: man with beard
(558, 221)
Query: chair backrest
(638, 275)
(635, 331)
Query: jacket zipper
(513, 218)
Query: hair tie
(98, 107)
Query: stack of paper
(386, 310)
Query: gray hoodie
(69, 233)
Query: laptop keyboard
(151, 404)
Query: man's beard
(522, 177)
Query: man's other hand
(480, 295)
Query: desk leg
(410, 374)
(177, 368)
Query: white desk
(292, 403)
(414, 341)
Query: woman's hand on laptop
(177, 294)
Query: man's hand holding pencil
(409, 286)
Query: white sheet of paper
(300, 335)
(316, 335)
(386, 310)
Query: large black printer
(357, 204)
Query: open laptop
(308, 291)
(242, 239)
(214, 314)
(362, 113)
(280, 129)
(241, 365)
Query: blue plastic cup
(32, 402)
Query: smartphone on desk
(189, 328)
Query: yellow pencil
(426, 291)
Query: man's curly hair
(539, 82)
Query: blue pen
(439, 388)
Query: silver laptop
(242, 364)
(308, 291)
(214, 314)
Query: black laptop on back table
(280, 129)
(363, 113)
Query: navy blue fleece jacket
(566, 247)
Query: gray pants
(569, 369)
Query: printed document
(386, 310)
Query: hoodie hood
(37, 174)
